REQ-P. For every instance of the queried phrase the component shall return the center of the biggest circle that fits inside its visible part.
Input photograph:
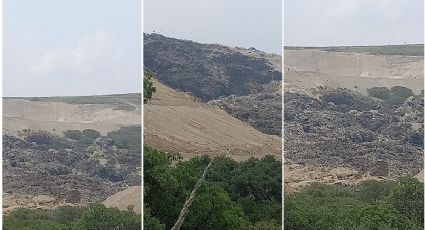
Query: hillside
(343, 136)
(310, 68)
(232, 78)
(58, 114)
(176, 122)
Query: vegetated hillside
(339, 136)
(58, 114)
(176, 122)
(45, 170)
(235, 78)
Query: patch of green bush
(372, 205)
(92, 217)
(235, 195)
(380, 92)
(85, 137)
(127, 137)
(148, 88)
(395, 95)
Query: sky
(243, 23)
(71, 47)
(353, 22)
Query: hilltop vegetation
(371, 205)
(403, 50)
(235, 195)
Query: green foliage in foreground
(93, 217)
(235, 195)
(372, 205)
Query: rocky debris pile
(65, 171)
(246, 83)
(262, 111)
(339, 128)
(209, 71)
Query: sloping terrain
(341, 136)
(58, 114)
(130, 198)
(44, 171)
(246, 83)
(176, 122)
(311, 68)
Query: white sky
(244, 23)
(353, 22)
(71, 47)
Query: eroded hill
(176, 122)
(237, 80)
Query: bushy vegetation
(235, 195)
(127, 138)
(347, 100)
(148, 88)
(85, 137)
(93, 217)
(372, 205)
(45, 140)
(395, 95)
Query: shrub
(97, 216)
(127, 137)
(401, 92)
(73, 134)
(148, 88)
(379, 92)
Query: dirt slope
(57, 117)
(310, 68)
(123, 199)
(175, 121)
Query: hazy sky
(71, 47)
(245, 23)
(353, 22)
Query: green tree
(213, 209)
(73, 134)
(401, 92)
(379, 92)
(408, 199)
(98, 217)
(148, 88)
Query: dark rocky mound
(262, 111)
(240, 81)
(342, 128)
(42, 164)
